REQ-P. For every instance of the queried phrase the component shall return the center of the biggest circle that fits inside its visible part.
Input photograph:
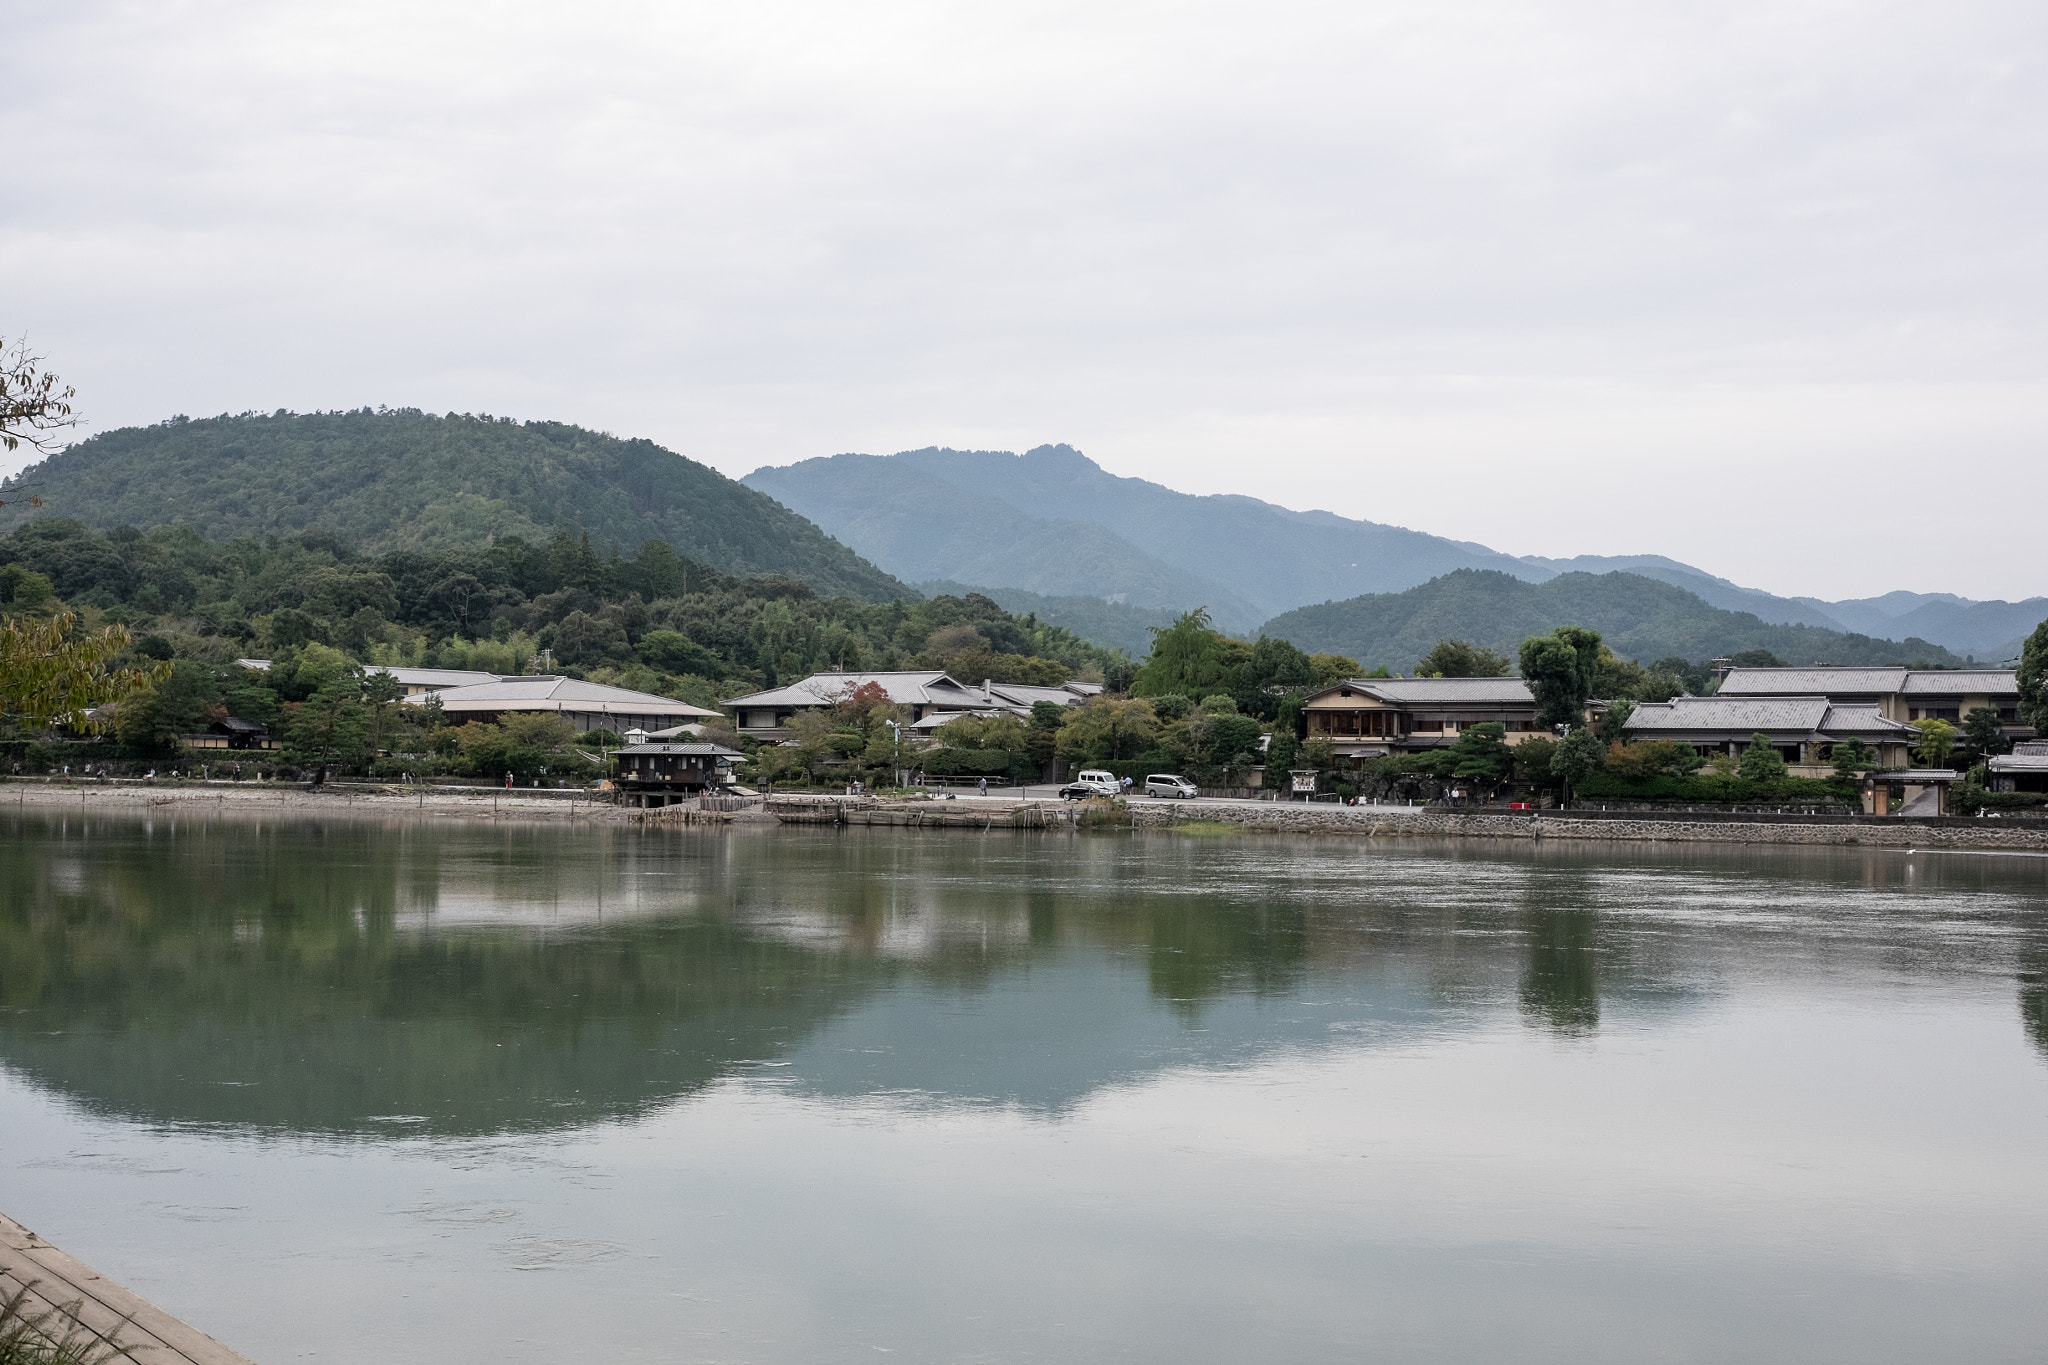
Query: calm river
(404, 1094)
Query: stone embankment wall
(828, 810)
(1370, 823)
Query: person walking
(984, 786)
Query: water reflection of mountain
(359, 978)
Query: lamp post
(897, 736)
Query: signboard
(1304, 782)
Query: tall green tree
(332, 726)
(1187, 658)
(1482, 756)
(2033, 679)
(1576, 755)
(1560, 668)
(1983, 734)
(1937, 741)
(1461, 659)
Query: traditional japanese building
(656, 774)
(1373, 717)
(1804, 730)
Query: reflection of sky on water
(826, 1095)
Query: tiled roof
(1765, 682)
(1068, 694)
(1438, 691)
(557, 694)
(938, 718)
(1864, 719)
(1860, 681)
(2021, 762)
(1961, 682)
(930, 688)
(1742, 715)
(694, 750)
(436, 677)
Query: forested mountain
(923, 527)
(1640, 617)
(651, 621)
(1113, 625)
(405, 479)
(1268, 556)
(1990, 630)
(1715, 592)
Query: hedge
(1712, 789)
(1970, 800)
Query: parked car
(1091, 782)
(1170, 785)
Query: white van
(1092, 782)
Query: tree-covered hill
(1641, 618)
(404, 479)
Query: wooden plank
(99, 1305)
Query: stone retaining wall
(1371, 823)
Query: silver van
(1169, 785)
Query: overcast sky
(1755, 285)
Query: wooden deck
(77, 1292)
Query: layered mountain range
(1049, 532)
(1052, 528)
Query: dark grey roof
(1919, 775)
(1806, 682)
(1961, 682)
(1737, 715)
(2017, 762)
(1853, 718)
(695, 750)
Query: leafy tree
(53, 675)
(1481, 755)
(1937, 739)
(1461, 659)
(1755, 658)
(23, 589)
(2033, 679)
(1282, 754)
(186, 699)
(1576, 755)
(1761, 762)
(33, 406)
(1107, 728)
(332, 725)
(1853, 758)
(1983, 734)
(1654, 758)
(1614, 721)
(1532, 760)
(1560, 668)
(523, 745)
(1187, 658)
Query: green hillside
(407, 480)
(1113, 625)
(1641, 618)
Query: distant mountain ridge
(403, 479)
(1276, 558)
(1642, 618)
(1053, 522)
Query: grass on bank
(52, 1337)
